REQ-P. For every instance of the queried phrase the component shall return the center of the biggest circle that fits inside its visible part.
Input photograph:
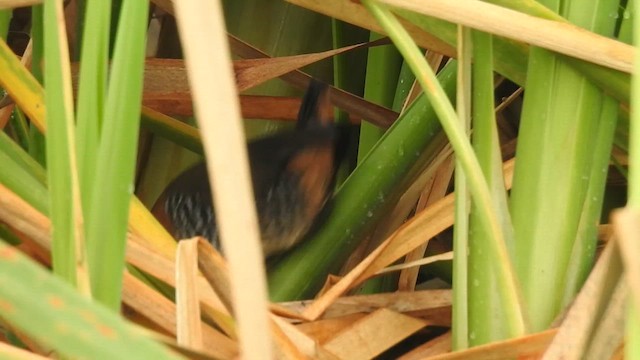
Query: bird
(293, 174)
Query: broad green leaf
(560, 123)
(54, 314)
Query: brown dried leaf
(437, 346)
(396, 301)
(373, 334)
(626, 224)
(609, 335)
(523, 347)
(253, 72)
(355, 105)
(299, 345)
(586, 311)
(162, 312)
(324, 329)
(214, 268)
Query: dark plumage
(292, 175)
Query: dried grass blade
(402, 209)
(21, 216)
(437, 346)
(11, 352)
(273, 107)
(214, 268)
(187, 352)
(558, 36)
(355, 105)
(305, 346)
(162, 312)
(435, 190)
(12, 4)
(364, 340)
(202, 32)
(284, 348)
(413, 301)
(626, 223)
(170, 104)
(417, 263)
(328, 297)
(189, 327)
(353, 13)
(158, 266)
(427, 224)
(252, 106)
(609, 335)
(253, 72)
(573, 335)
(165, 79)
(521, 348)
(324, 329)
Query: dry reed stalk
(202, 32)
(189, 327)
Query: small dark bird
(292, 173)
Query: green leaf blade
(111, 192)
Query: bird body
(292, 175)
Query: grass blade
(477, 185)
(63, 185)
(111, 192)
(91, 91)
(460, 307)
(486, 320)
(632, 348)
(550, 187)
